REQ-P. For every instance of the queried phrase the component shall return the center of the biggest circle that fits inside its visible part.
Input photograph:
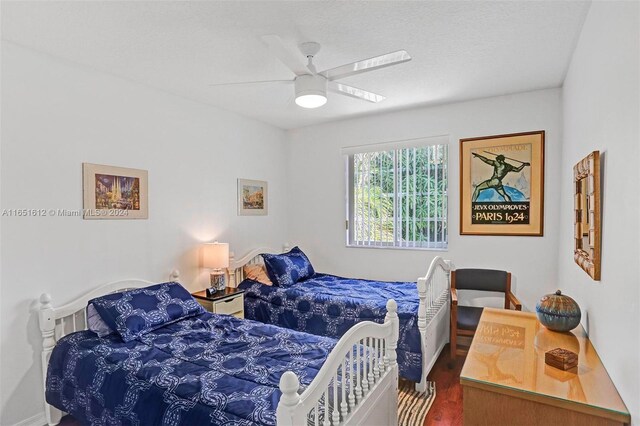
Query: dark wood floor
(447, 407)
(68, 421)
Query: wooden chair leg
(453, 337)
(453, 348)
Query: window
(398, 195)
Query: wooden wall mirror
(586, 176)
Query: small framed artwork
(114, 192)
(252, 197)
(502, 184)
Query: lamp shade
(215, 255)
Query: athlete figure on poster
(500, 170)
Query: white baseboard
(37, 420)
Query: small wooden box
(561, 358)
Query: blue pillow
(288, 268)
(133, 313)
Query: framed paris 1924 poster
(502, 184)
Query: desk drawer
(229, 306)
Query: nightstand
(229, 301)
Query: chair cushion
(481, 279)
(469, 317)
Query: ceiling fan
(311, 86)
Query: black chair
(465, 319)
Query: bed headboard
(57, 322)
(252, 257)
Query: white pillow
(95, 322)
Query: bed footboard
(433, 314)
(357, 385)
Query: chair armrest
(454, 297)
(514, 300)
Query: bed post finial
(289, 385)
(174, 275)
(45, 299)
(392, 306)
(392, 341)
(450, 264)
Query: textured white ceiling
(460, 50)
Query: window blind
(398, 197)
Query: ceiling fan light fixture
(311, 101)
(311, 91)
(311, 86)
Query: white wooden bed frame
(433, 310)
(361, 390)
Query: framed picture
(502, 184)
(114, 192)
(587, 226)
(252, 197)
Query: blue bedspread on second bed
(328, 305)
(205, 370)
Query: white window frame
(349, 152)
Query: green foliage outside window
(411, 182)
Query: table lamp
(216, 257)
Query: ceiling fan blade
(354, 92)
(290, 58)
(370, 64)
(251, 82)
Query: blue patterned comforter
(328, 305)
(208, 369)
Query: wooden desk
(505, 380)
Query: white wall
(56, 116)
(1, 386)
(601, 112)
(317, 191)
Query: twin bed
(328, 305)
(215, 369)
(212, 369)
